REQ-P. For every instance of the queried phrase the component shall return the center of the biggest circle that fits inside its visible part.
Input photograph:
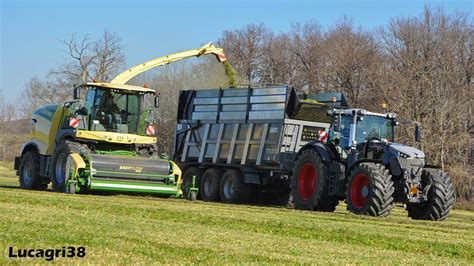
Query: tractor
(359, 162)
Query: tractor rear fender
(323, 151)
(336, 170)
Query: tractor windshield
(374, 127)
(114, 110)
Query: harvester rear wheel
(29, 172)
(370, 190)
(440, 198)
(233, 189)
(210, 182)
(58, 164)
(309, 184)
(188, 180)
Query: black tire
(440, 198)
(370, 190)
(233, 189)
(210, 182)
(188, 179)
(58, 164)
(309, 184)
(29, 172)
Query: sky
(32, 30)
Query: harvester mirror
(77, 93)
(417, 132)
(157, 101)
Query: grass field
(123, 229)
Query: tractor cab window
(341, 137)
(374, 127)
(116, 111)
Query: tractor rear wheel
(233, 189)
(309, 184)
(210, 182)
(370, 190)
(440, 198)
(29, 172)
(58, 164)
(188, 180)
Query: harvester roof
(129, 88)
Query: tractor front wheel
(440, 198)
(370, 190)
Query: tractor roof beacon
(103, 142)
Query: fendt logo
(135, 169)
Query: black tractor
(360, 162)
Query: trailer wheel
(440, 198)
(188, 180)
(370, 190)
(309, 183)
(58, 164)
(233, 189)
(210, 182)
(29, 172)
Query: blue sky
(31, 30)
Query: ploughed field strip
(137, 229)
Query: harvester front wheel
(440, 198)
(58, 164)
(210, 182)
(29, 172)
(188, 181)
(370, 190)
(233, 189)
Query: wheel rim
(60, 168)
(360, 191)
(307, 181)
(207, 186)
(228, 188)
(26, 173)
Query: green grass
(123, 229)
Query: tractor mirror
(77, 93)
(417, 132)
(337, 123)
(157, 101)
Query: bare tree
(89, 60)
(245, 50)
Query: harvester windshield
(114, 110)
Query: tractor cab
(361, 130)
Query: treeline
(421, 66)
